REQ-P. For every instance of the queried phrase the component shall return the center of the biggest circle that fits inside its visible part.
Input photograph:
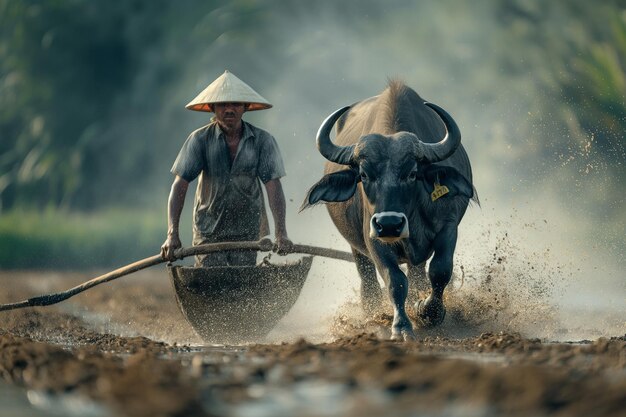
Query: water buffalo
(398, 183)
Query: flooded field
(124, 349)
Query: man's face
(229, 115)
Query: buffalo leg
(432, 310)
(371, 294)
(401, 328)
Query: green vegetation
(577, 52)
(58, 239)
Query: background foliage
(92, 96)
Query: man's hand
(169, 246)
(283, 245)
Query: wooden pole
(263, 245)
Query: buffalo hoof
(431, 311)
(405, 335)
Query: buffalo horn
(337, 154)
(435, 152)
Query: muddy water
(124, 349)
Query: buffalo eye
(363, 176)
(412, 175)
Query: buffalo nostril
(379, 227)
(401, 225)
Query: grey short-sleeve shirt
(229, 200)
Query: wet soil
(126, 349)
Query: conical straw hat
(228, 89)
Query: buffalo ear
(457, 184)
(332, 188)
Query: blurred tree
(593, 83)
(62, 63)
(576, 53)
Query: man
(231, 158)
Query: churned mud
(125, 349)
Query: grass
(55, 239)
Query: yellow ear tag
(440, 191)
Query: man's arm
(276, 199)
(175, 204)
